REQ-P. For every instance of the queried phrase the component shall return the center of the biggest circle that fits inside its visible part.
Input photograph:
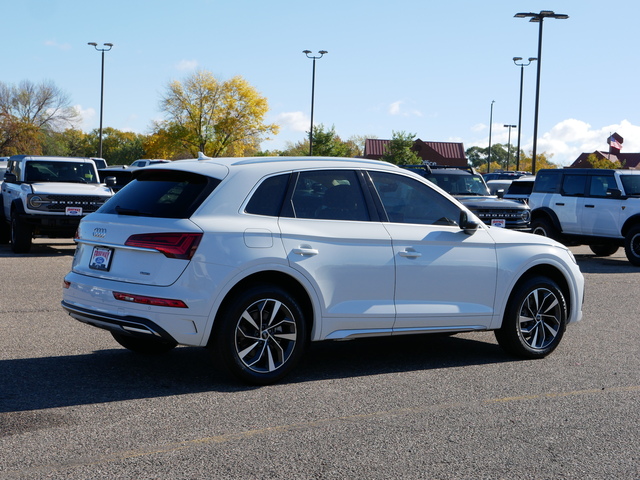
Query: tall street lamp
(105, 48)
(313, 87)
(521, 65)
(509, 145)
(539, 18)
(490, 125)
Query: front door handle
(305, 251)
(409, 253)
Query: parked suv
(471, 190)
(595, 207)
(47, 196)
(255, 257)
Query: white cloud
(568, 139)
(296, 121)
(396, 109)
(186, 65)
(87, 117)
(59, 46)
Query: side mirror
(614, 193)
(110, 181)
(10, 177)
(466, 224)
(500, 193)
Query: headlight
(526, 215)
(35, 201)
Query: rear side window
(328, 195)
(573, 185)
(162, 194)
(547, 182)
(268, 197)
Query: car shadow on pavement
(117, 374)
(589, 263)
(40, 249)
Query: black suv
(470, 189)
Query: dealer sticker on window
(73, 211)
(101, 258)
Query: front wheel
(20, 236)
(149, 346)
(261, 335)
(535, 319)
(632, 245)
(544, 227)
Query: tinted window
(268, 197)
(520, 188)
(164, 194)
(600, 184)
(547, 182)
(406, 200)
(573, 185)
(631, 184)
(52, 171)
(329, 195)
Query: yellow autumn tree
(204, 114)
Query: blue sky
(421, 66)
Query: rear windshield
(162, 194)
(520, 188)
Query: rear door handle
(590, 206)
(560, 204)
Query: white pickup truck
(47, 197)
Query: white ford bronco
(47, 197)
(589, 206)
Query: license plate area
(499, 222)
(101, 258)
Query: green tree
(597, 161)
(326, 143)
(204, 114)
(399, 150)
(118, 147)
(29, 112)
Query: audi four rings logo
(99, 232)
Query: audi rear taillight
(171, 245)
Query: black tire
(21, 235)
(535, 319)
(5, 231)
(632, 245)
(149, 346)
(261, 335)
(605, 250)
(544, 227)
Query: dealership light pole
(539, 18)
(521, 65)
(490, 125)
(509, 144)
(313, 87)
(108, 46)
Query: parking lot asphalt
(75, 405)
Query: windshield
(52, 171)
(457, 184)
(631, 184)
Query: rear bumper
(129, 325)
